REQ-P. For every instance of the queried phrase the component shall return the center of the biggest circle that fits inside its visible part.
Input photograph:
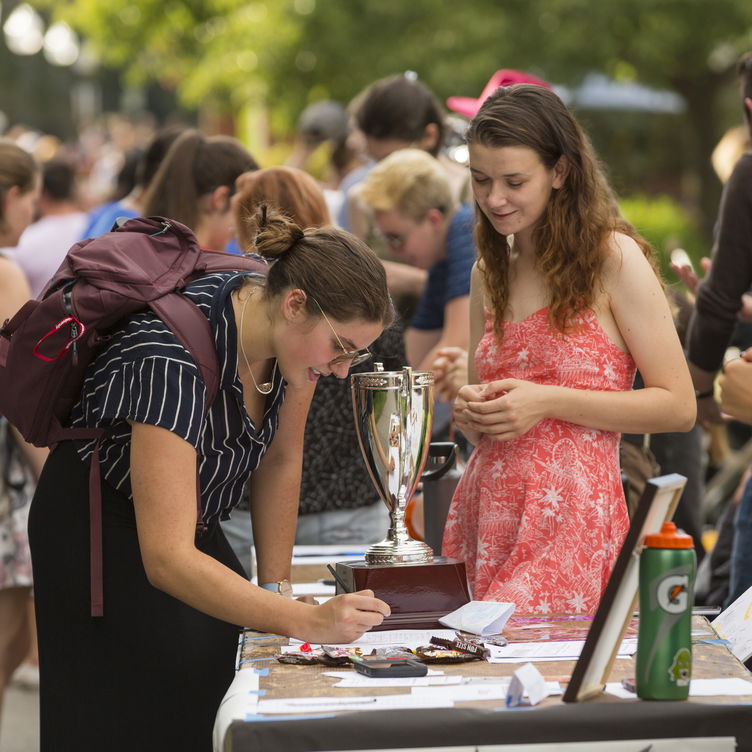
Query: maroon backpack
(46, 347)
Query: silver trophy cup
(393, 415)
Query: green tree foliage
(287, 53)
(665, 225)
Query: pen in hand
(338, 579)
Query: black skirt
(149, 674)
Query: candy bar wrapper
(479, 617)
(469, 645)
(434, 654)
(331, 656)
(300, 659)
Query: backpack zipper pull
(74, 346)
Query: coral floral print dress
(539, 520)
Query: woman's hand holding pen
(345, 618)
(502, 410)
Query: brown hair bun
(275, 232)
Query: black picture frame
(611, 619)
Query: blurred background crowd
(96, 93)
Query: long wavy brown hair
(572, 236)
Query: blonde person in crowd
(565, 304)
(20, 462)
(415, 212)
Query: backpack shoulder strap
(192, 329)
(190, 325)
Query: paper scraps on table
(516, 652)
(479, 617)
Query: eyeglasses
(397, 240)
(353, 357)
(394, 241)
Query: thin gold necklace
(267, 386)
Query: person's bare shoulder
(14, 289)
(623, 257)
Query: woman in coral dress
(565, 304)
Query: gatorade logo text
(671, 593)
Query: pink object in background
(468, 106)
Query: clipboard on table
(610, 622)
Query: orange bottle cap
(669, 538)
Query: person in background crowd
(736, 401)
(397, 112)
(44, 243)
(102, 218)
(414, 209)
(195, 184)
(20, 462)
(564, 304)
(721, 298)
(321, 148)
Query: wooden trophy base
(418, 594)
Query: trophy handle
(448, 452)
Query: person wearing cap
(415, 212)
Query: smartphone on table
(379, 667)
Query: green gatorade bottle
(664, 643)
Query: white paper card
(735, 625)
(479, 617)
(526, 680)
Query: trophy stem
(398, 547)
